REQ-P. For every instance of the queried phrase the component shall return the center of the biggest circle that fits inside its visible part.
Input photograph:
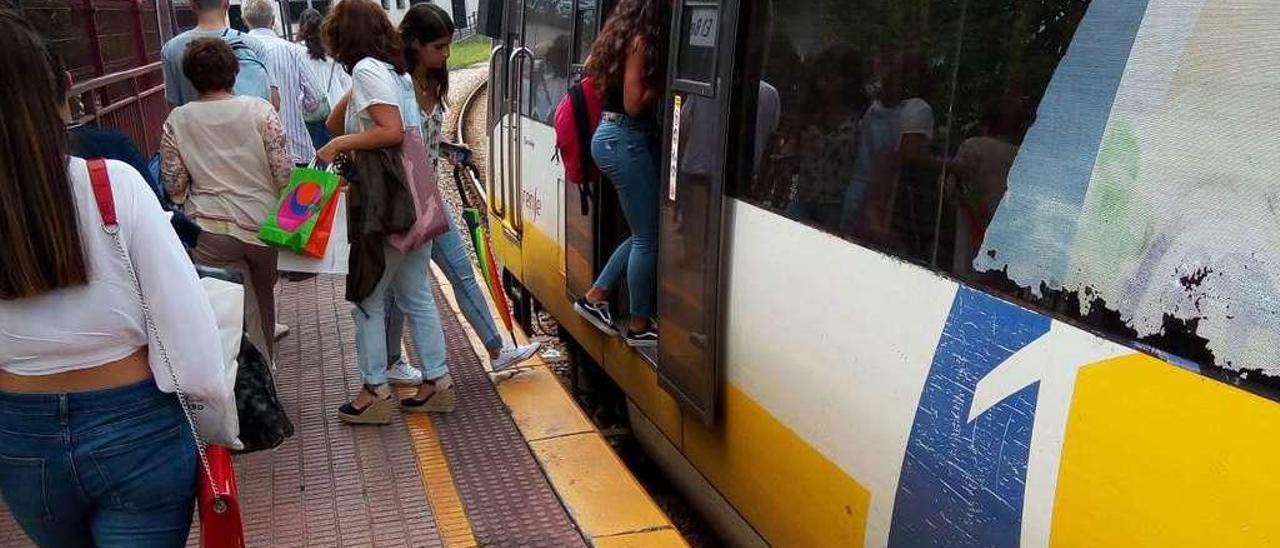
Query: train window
(696, 44)
(548, 26)
(586, 25)
(1046, 151)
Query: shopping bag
(336, 253)
(221, 524)
(291, 223)
(319, 241)
(219, 420)
(420, 175)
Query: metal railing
(470, 30)
(131, 101)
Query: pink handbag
(420, 173)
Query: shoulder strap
(101, 182)
(580, 113)
(578, 99)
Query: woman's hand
(331, 150)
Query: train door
(698, 144)
(533, 65)
(588, 232)
(503, 24)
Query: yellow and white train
(935, 272)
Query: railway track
(469, 131)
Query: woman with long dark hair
(628, 61)
(371, 116)
(324, 71)
(92, 451)
(427, 34)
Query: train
(931, 273)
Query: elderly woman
(226, 157)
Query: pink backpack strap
(101, 182)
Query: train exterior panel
(867, 400)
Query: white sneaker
(513, 355)
(281, 330)
(404, 374)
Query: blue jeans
(408, 277)
(107, 468)
(449, 252)
(624, 153)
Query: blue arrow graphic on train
(963, 480)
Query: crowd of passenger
(100, 299)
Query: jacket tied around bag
(379, 204)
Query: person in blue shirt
(89, 141)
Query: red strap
(101, 182)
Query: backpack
(577, 116)
(252, 80)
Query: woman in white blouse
(92, 448)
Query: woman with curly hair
(371, 116)
(628, 62)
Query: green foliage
(469, 52)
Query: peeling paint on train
(1172, 217)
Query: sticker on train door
(676, 103)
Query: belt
(613, 116)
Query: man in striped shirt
(287, 62)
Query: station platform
(516, 464)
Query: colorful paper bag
(292, 222)
(323, 230)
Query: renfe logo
(299, 205)
(532, 203)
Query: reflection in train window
(548, 34)
(586, 26)
(699, 32)
(973, 137)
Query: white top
(374, 82)
(226, 160)
(299, 92)
(329, 76)
(82, 327)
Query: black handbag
(263, 421)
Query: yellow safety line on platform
(437, 480)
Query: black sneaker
(596, 313)
(645, 338)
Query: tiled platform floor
(336, 485)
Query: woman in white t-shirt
(372, 116)
(427, 34)
(93, 444)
